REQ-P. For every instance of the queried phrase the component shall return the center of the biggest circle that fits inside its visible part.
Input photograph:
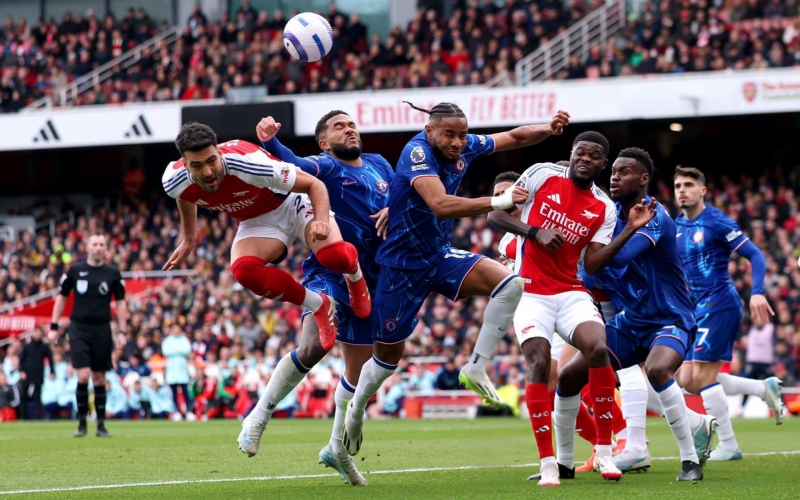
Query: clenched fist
(267, 129)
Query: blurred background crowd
(208, 332)
(479, 41)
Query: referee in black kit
(94, 283)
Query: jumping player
(656, 322)
(274, 204)
(565, 218)
(706, 239)
(416, 257)
(358, 185)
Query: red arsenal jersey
(583, 215)
(254, 182)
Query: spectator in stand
(117, 403)
(160, 399)
(9, 400)
(32, 363)
(177, 349)
(51, 390)
(447, 377)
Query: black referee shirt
(93, 287)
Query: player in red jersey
(274, 203)
(566, 218)
(561, 353)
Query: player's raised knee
(248, 272)
(510, 289)
(339, 257)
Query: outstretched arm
(530, 134)
(617, 254)
(267, 130)
(188, 211)
(760, 309)
(445, 206)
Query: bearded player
(358, 186)
(417, 258)
(275, 203)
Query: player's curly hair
(195, 137)
(441, 110)
(595, 137)
(509, 176)
(322, 124)
(641, 156)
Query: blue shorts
(352, 329)
(628, 345)
(401, 292)
(716, 333)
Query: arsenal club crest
(750, 90)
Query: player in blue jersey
(358, 186)
(656, 322)
(706, 239)
(417, 259)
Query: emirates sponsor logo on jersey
(233, 207)
(573, 230)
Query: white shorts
(544, 315)
(556, 346)
(286, 223)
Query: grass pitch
(479, 459)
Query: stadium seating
(248, 335)
(470, 47)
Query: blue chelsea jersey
(355, 193)
(705, 245)
(417, 239)
(651, 290)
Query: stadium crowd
(40, 58)
(478, 41)
(225, 341)
(678, 36)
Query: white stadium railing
(596, 28)
(106, 71)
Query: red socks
(340, 257)
(270, 282)
(585, 425)
(540, 410)
(601, 388)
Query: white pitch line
(312, 476)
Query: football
(308, 37)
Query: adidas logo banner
(139, 128)
(47, 133)
(85, 127)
